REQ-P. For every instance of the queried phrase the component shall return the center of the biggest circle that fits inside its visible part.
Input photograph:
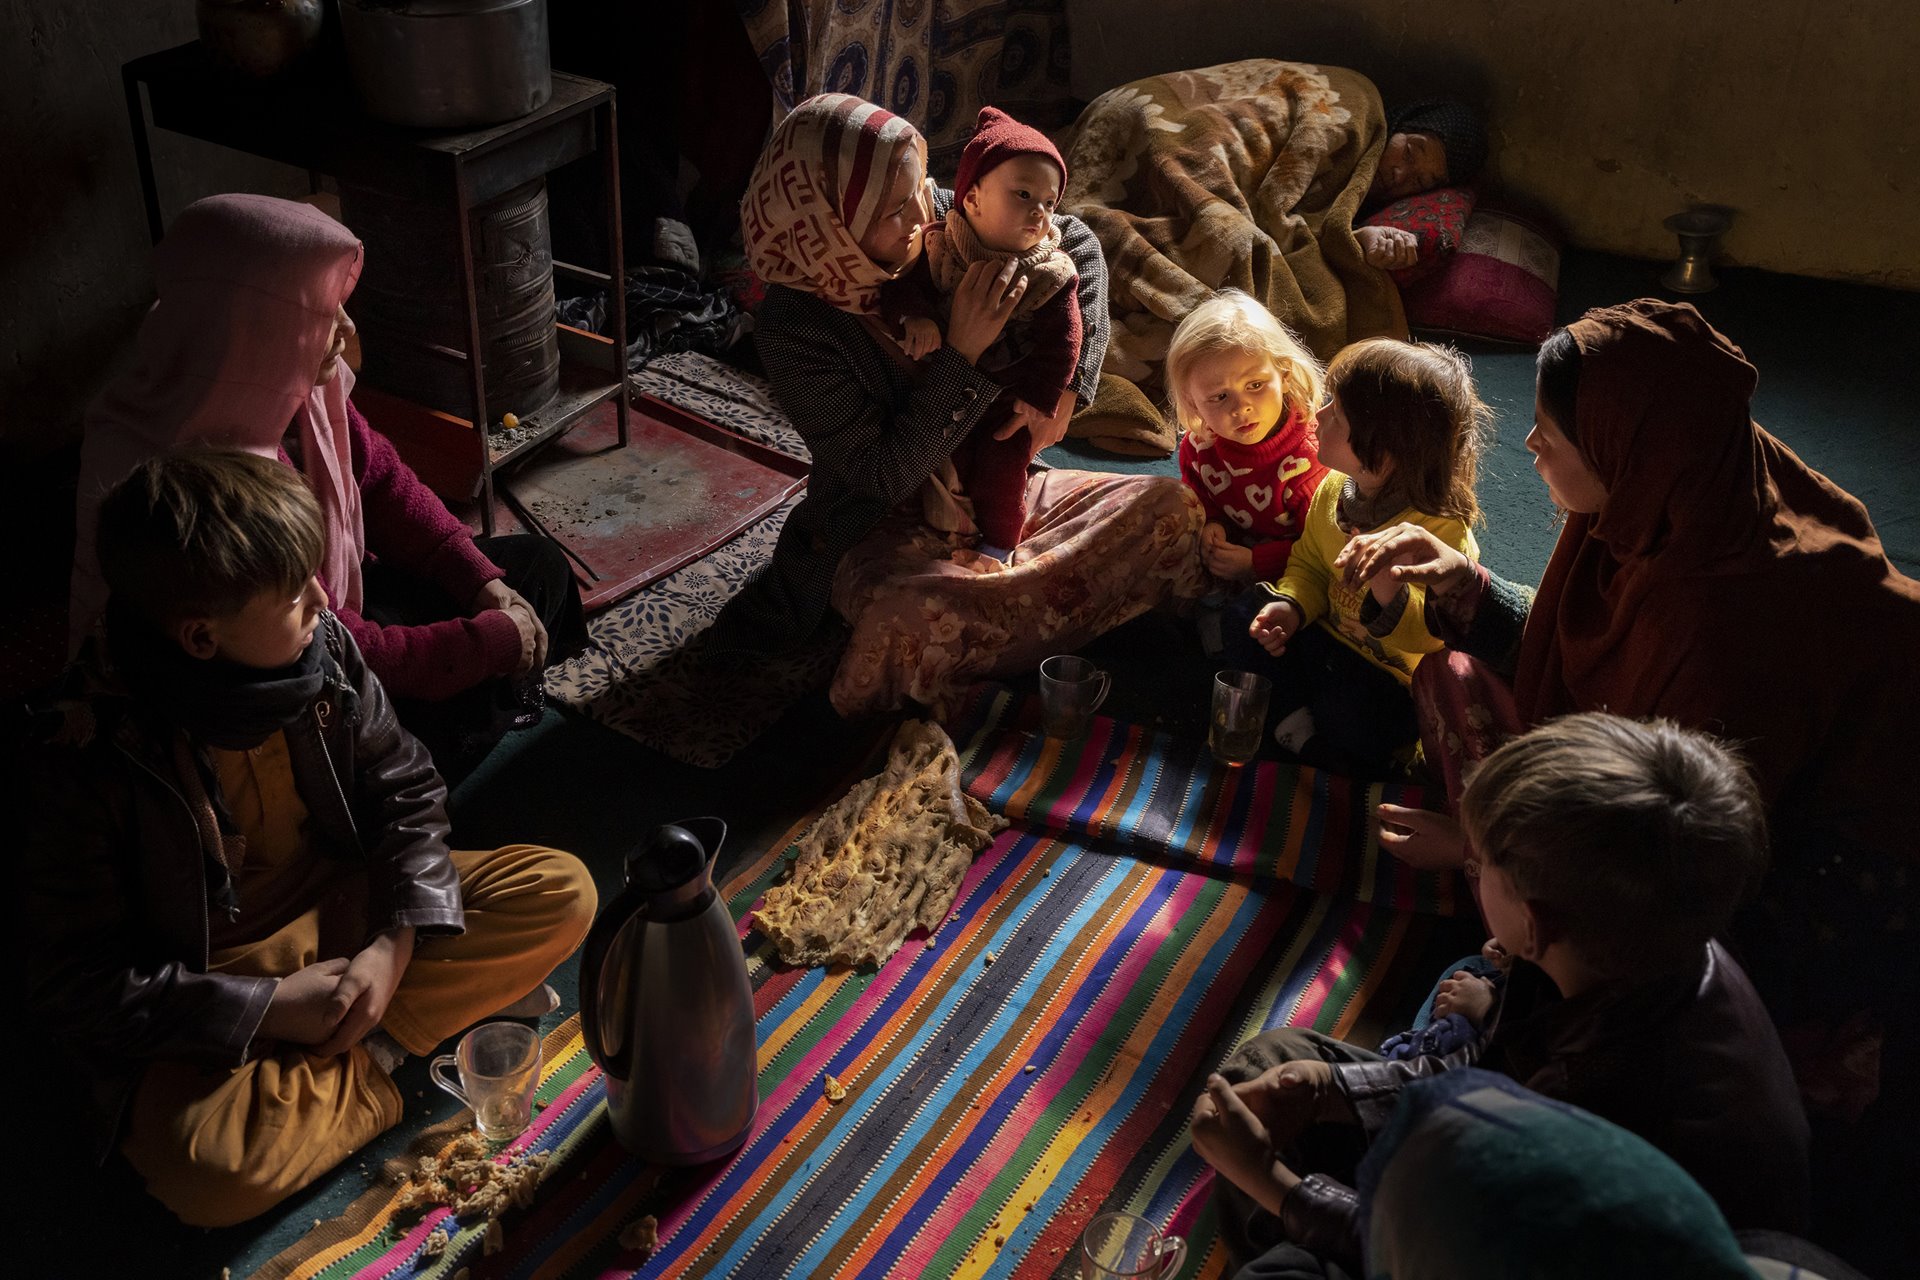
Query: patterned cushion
(1502, 283)
(1437, 217)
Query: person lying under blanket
(1436, 142)
(1249, 175)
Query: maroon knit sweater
(409, 528)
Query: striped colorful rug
(1029, 1069)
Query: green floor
(1837, 383)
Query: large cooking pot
(448, 64)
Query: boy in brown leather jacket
(240, 909)
(1609, 854)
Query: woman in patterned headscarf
(835, 209)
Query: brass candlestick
(1699, 230)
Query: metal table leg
(476, 363)
(142, 154)
(617, 290)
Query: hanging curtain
(935, 62)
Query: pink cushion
(1502, 283)
(1437, 217)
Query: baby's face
(1011, 207)
(1236, 395)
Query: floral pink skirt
(931, 616)
(1465, 712)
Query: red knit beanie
(998, 138)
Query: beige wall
(74, 276)
(1801, 115)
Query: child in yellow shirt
(1401, 429)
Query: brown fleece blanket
(1249, 174)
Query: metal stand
(314, 124)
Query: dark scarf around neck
(1358, 513)
(218, 703)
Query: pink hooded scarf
(249, 286)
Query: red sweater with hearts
(1260, 492)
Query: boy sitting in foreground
(1610, 853)
(240, 911)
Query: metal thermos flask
(665, 1005)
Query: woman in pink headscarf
(243, 349)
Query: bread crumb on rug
(641, 1235)
(471, 1182)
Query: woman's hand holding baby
(1226, 559)
(1274, 625)
(982, 305)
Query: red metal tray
(628, 517)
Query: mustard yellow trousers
(219, 1147)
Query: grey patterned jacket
(876, 431)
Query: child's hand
(922, 337)
(303, 1009)
(1421, 838)
(1231, 1138)
(1274, 625)
(1225, 558)
(1388, 248)
(366, 988)
(1466, 994)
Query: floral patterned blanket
(1249, 174)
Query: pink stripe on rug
(1060, 1072)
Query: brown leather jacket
(119, 886)
(1690, 1062)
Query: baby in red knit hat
(1004, 195)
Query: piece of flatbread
(889, 855)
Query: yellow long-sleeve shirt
(1311, 583)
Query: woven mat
(636, 676)
(1145, 914)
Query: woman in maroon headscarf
(1708, 575)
